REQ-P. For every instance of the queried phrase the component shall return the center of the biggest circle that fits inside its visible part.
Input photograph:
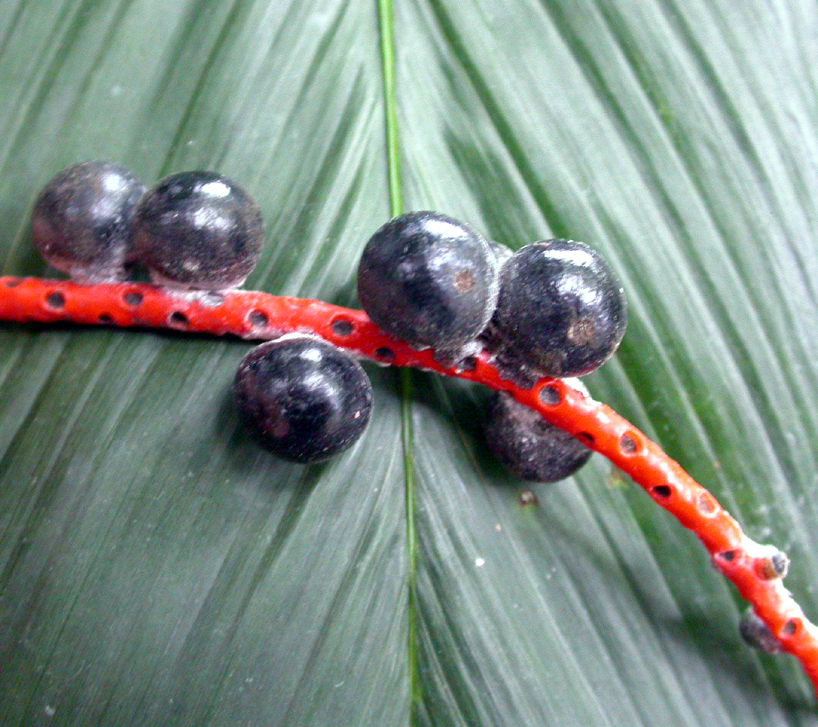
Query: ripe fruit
(81, 220)
(527, 445)
(756, 634)
(429, 280)
(198, 230)
(302, 398)
(561, 309)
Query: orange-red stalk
(260, 316)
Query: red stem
(260, 316)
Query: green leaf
(156, 567)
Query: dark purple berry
(81, 222)
(756, 633)
(561, 309)
(302, 398)
(527, 445)
(198, 230)
(429, 280)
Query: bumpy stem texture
(756, 570)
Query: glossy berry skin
(561, 310)
(527, 445)
(81, 222)
(429, 280)
(302, 398)
(198, 230)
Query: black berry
(429, 280)
(81, 220)
(756, 634)
(561, 309)
(302, 398)
(198, 230)
(527, 445)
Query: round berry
(429, 280)
(527, 445)
(198, 230)
(302, 398)
(81, 220)
(756, 633)
(561, 310)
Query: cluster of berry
(301, 397)
(94, 220)
(553, 308)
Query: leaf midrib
(386, 36)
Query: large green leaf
(156, 567)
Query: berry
(756, 634)
(527, 445)
(302, 398)
(81, 220)
(561, 310)
(429, 280)
(198, 230)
